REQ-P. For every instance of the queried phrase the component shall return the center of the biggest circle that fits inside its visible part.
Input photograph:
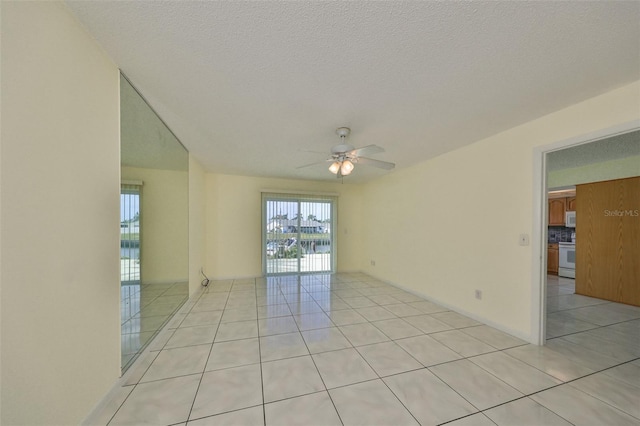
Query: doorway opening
(582, 165)
(297, 232)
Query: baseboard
(164, 282)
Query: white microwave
(570, 219)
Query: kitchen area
(594, 238)
(593, 244)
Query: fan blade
(376, 163)
(312, 164)
(366, 150)
(312, 152)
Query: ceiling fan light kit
(334, 167)
(346, 168)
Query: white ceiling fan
(344, 156)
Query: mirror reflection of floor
(144, 310)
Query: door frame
(331, 197)
(539, 258)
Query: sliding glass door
(130, 234)
(297, 233)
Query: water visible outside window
(298, 236)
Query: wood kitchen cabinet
(557, 208)
(553, 259)
(570, 204)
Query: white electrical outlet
(479, 294)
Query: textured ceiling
(251, 87)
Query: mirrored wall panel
(154, 244)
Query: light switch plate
(524, 239)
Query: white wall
(233, 223)
(597, 172)
(164, 222)
(60, 218)
(450, 225)
(197, 224)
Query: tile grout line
(597, 327)
(264, 411)
(385, 383)
(469, 415)
(218, 414)
(596, 397)
(320, 375)
(568, 382)
(204, 369)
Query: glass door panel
(297, 234)
(130, 235)
(282, 236)
(315, 238)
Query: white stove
(567, 252)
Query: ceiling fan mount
(343, 147)
(343, 132)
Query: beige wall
(164, 224)
(450, 225)
(197, 224)
(597, 172)
(60, 217)
(233, 223)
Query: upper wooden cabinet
(557, 208)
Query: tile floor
(348, 349)
(144, 310)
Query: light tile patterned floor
(144, 310)
(348, 349)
